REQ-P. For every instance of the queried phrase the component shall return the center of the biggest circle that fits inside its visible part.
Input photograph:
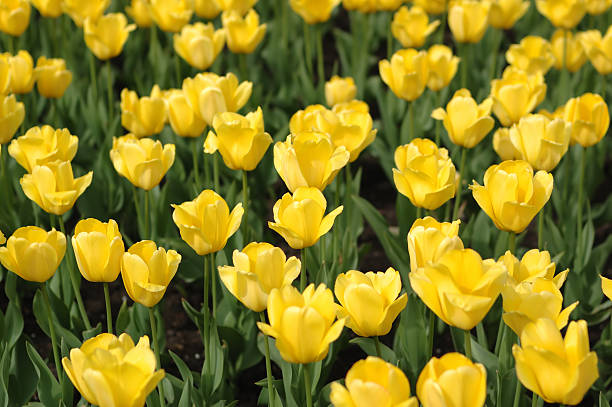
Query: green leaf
(49, 391)
(368, 346)
(13, 324)
(603, 402)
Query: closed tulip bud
(5, 74)
(597, 7)
(468, 20)
(562, 13)
(512, 196)
(411, 26)
(533, 55)
(43, 145)
(12, 114)
(258, 269)
(147, 270)
(80, 10)
(339, 90)
(429, 240)
(442, 67)
(199, 44)
(241, 140)
(407, 73)
(171, 15)
(503, 14)
(589, 117)
(140, 12)
(370, 301)
(184, 121)
(207, 9)
(373, 382)
(516, 94)
(48, 8)
(106, 36)
(606, 286)
(303, 324)
(243, 33)
(144, 162)
(424, 173)
(206, 223)
(14, 16)
(534, 265)
(354, 131)
(599, 49)
(52, 77)
(432, 6)
(143, 116)
(22, 72)
(308, 159)
(300, 218)
(33, 253)
(98, 249)
(363, 6)
(452, 380)
(239, 6)
(465, 121)
(575, 55)
(388, 5)
(314, 12)
(560, 370)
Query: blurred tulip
(243, 33)
(12, 114)
(106, 36)
(407, 73)
(562, 13)
(147, 270)
(171, 15)
(503, 14)
(14, 16)
(432, 6)
(143, 116)
(207, 9)
(362, 6)
(429, 240)
(22, 72)
(574, 53)
(355, 131)
(516, 94)
(606, 286)
(442, 66)
(314, 11)
(589, 117)
(43, 145)
(411, 26)
(140, 12)
(257, 270)
(598, 49)
(468, 20)
(2, 238)
(98, 249)
(239, 6)
(80, 10)
(52, 77)
(388, 5)
(5, 74)
(199, 44)
(33, 253)
(597, 7)
(533, 55)
(339, 90)
(303, 324)
(534, 265)
(48, 8)
(184, 121)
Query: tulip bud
(533, 55)
(5, 74)
(411, 26)
(339, 90)
(171, 15)
(140, 12)
(52, 77)
(243, 33)
(598, 49)
(14, 17)
(432, 6)
(429, 240)
(597, 7)
(80, 10)
(562, 13)
(589, 117)
(12, 114)
(106, 36)
(354, 131)
(516, 94)
(314, 12)
(22, 72)
(48, 8)
(184, 121)
(503, 14)
(207, 9)
(534, 265)
(199, 44)
(407, 73)
(574, 53)
(43, 145)
(98, 249)
(239, 6)
(468, 20)
(442, 67)
(143, 116)
(606, 286)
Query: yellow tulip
(257, 270)
(373, 382)
(442, 67)
(599, 49)
(540, 141)
(468, 20)
(562, 13)
(33, 253)
(171, 15)
(199, 44)
(512, 196)
(363, 6)
(22, 72)
(465, 121)
(589, 117)
(606, 286)
(5, 74)
(239, 6)
(147, 270)
(597, 7)
(144, 162)
(533, 55)
(12, 114)
(48, 8)
(370, 301)
(516, 94)
(534, 265)
(407, 73)
(429, 240)
(425, 173)
(207, 9)
(140, 12)
(184, 121)
(98, 249)
(110, 371)
(243, 33)
(80, 10)
(303, 324)
(575, 55)
(14, 16)
(460, 288)
(42, 145)
(432, 6)
(241, 140)
(355, 131)
(503, 14)
(339, 90)
(206, 223)
(388, 5)
(411, 26)
(560, 370)
(52, 77)
(299, 218)
(452, 380)
(2, 238)
(308, 159)
(143, 116)
(106, 36)
(53, 186)
(317, 11)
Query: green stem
(459, 184)
(564, 72)
(378, 350)
(109, 317)
(541, 229)
(468, 344)
(213, 278)
(92, 73)
(419, 212)
(109, 84)
(389, 36)
(137, 206)
(411, 118)
(303, 275)
(284, 24)
(271, 391)
(501, 332)
(245, 204)
(56, 358)
(242, 62)
(147, 216)
(307, 49)
(580, 198)
(464, 65)
(195, 153)
(517, 394)
(439, 104)
(307, 386)
(534, 400)
(512, 242)
(160, 387)
(494, 54)
(442, 29)
(431, 333)
(205, 310)
(215, 160)
(177, 68)
(320, 57)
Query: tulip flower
(533, 55)
(239, 6)
(52, 77)
(33, 253)
(139, 11)
(171, 15)
(243, 33)
(14, 16)
(258, 269)
(540, 141)
(43, 145)
(468, 20)
(339, 90)
(373, 382)
(534, 265)
(388, 5)
(314, 12)
(106, 36)
(599, 49)
(241, 140)
(466, 122)
(432, 6)
(560, 370)
(12, 114)
(424, 173)
(206, 223)
(442, 67)
(562, 13)
(597, 7)
(147, 270)
(370, 300)
(22, 72)
(53, 186)
(606, 287)
(452, 380)
(145, 116)
(299, 218)
(80, 10)
(2, 238)
(302, 323)
(144, 162)
(48, 8)
(512, 196)
(407, 73)
(503, 14)
(516, 94)
(111, 371)
(354, 131)
(207, 9)
(411, 26)
(362, 6)
(199, 44)
(429, 240)
(5, 74)
(565, 44)
(184, 121)
(589, 117)
(98, 249)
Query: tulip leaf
(185, 399)
(13, 325)
(22, 379)
(603, 402)
(184, 370)
(368, 346)
(49, 391)
(195, 315)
